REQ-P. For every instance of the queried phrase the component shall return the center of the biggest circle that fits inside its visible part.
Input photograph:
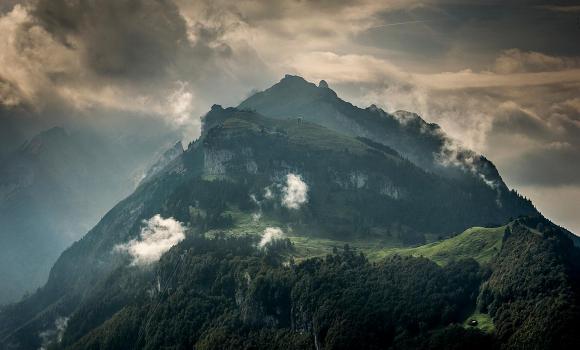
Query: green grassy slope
(477, 242)
(238, 123)
(308, 247)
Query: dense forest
(533, 293)
(224, 293)
(227, 294)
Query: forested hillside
(224, 293)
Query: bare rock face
(215, 161)
(390, 190)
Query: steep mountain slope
(425, 144)
(52, 190)
(286, 175)
(357, 186)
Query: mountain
(53, 188)
(424, 144)
(167, 157)
(271, 232)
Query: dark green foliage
(533, 292)
(213, 198)
(351, 304)
(228, 295)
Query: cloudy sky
(502, 77)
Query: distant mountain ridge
(167, 157)
(53, 188)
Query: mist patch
(155, 239)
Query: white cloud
(257, 216)
(99, 68)
(268, 194)
(183, 112)
(295, 192)
(518, 61)
(55, 334)
(573, 103)
(181, 104)
(469, 79)
(155, 239)
(269, 235)
(28, 55)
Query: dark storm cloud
(516, 121)
(518, 61)
(468, 34)
(558, 164)
(57, 47)
(570, 7)
(122, 55)
(135, 40)
(549, 142)
(129, 38)
(7, 5)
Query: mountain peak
(291, 77)
(295, 81)
(406, 117)
(35, 144)
(421, 142)
(299, 86)
(55, 131)
(375, 109)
